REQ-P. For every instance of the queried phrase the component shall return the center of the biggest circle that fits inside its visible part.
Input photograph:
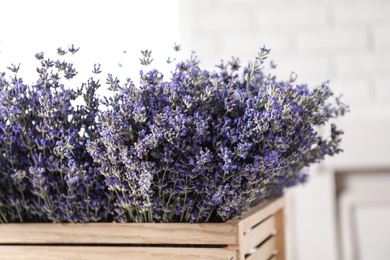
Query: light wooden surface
(241, 236)
(259, 213)
(280, 235)
(265, 252)
(119, 233)
(117, 253)
(134, 233)
(258, 234)
(241, 246)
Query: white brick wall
(366, 63)
(333, 39)
(362, 12)
(288, 15)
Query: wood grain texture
(150, 240)
(241, 249)
(265, 252)
(117, 253)
(260, 212)
(119, 233)
(259, 233)
(280, 236)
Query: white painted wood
(312, 219)
(373, 224)
(358, 237)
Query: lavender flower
(203, 146)
(71, 49)
(39, 56)
(45, 172)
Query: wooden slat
(117, 253)
(280, 236)
(259, 234)
(241, 252)
(265, 251)
(259, 213)
(119, 233)
(27, 241)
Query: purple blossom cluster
(206, 146)
(46, 174)
(203, 146)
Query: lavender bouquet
(202, 146)
(46, 173)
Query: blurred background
(343, 212)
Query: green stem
(185, 200)
(167, 206)
(128, 209)
(3, 219)
(88, 202)
(247, 82)
(21, 191)
(184, 203)
(161, 182)
(9, 181)
(131, 215)
(227, 111)
(19, 214)
(150, 211)
(173, 208)
(188, 214)
(211, 212)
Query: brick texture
(292, 15)
(331, 39)
(362, 12)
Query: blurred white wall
(341, 213)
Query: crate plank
(119, 233)
(259, 213)
(149, 240)
(241, 245)
(280, 236)
(117, 253)
(265, 252)
(259, 233)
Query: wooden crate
(257, 235)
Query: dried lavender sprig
(46, 173)
(213, 143)
(203, 146)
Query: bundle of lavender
(201, 146)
